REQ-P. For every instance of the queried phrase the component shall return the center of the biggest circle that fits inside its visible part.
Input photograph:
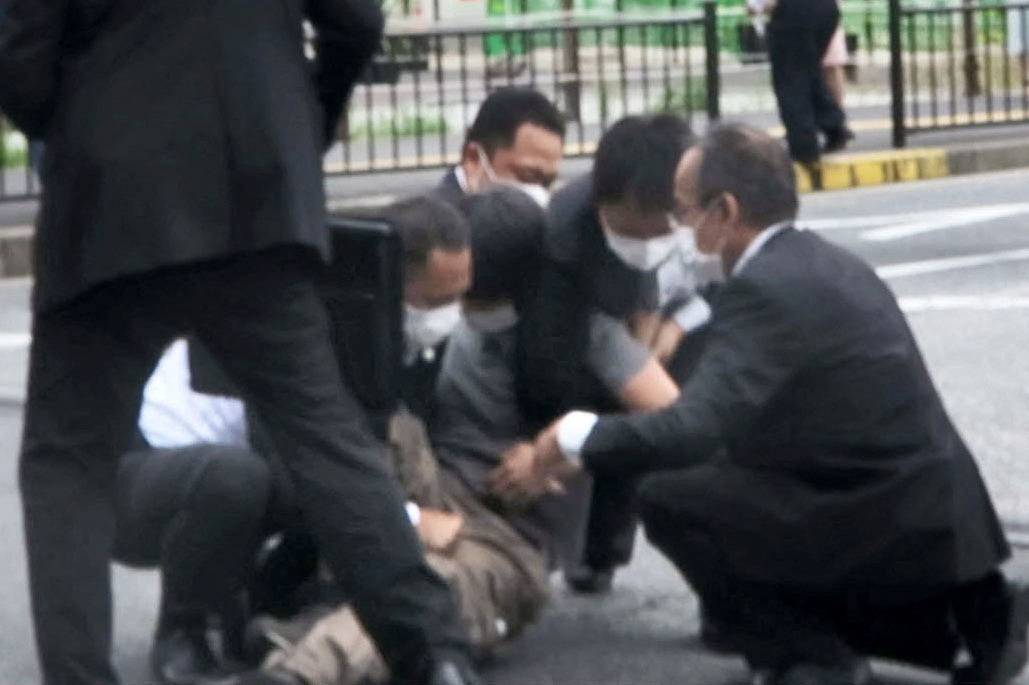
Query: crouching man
(809, 484)
(495, 557)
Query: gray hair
(751, 166)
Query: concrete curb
(839, 172)
(836, 172)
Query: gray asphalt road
(965, 285)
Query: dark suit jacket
(842, 466)
(449, 190)
(579, 275)
(176, 130)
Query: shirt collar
(462, 180)
(759, 242)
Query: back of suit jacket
(839, 448)
(176, 130)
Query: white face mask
(642, 255)
(538, 193)
(492, 320)
(426, 328)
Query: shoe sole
(1016, 652)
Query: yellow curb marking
(876, 168)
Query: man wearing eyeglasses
(809, 484)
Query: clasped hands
(529, 470)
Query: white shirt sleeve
(414, 513)
(572, 432)
(692, 315)
(173, 415)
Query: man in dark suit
(517, 138)
(798, 35)
(607, 234)
(183, 194)
(824, 507)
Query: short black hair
(751, 166)
(505, 110)
(426, 223)
(507, 239)
(637, 157)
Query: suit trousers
(775, 626)
(799, 34)
(261, 317)
(611, 524)
(199, 514)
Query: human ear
(730, 207)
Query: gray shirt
(614, 355)
(477, 418)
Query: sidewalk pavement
(870, 161)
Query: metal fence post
(896, 76)
(570, 67)
(973, 86)
(711, 65)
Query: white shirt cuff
(414, 513)
(693, 314)
(572, 432)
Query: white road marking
(954, 219)
(14, 341)
(896, 226)
(937, 303)
(845, 222)
(930, 266)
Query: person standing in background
(834, 62)
(799, 32)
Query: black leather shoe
(854, 672)
(586, 580)
(1003, 659)
(837, 140)
(183, 656)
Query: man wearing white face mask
(607, 235)
(495, 559)
(809, 485)
(516, 139)
(437, 271)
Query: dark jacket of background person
(843, 467)
(579, 275)
(418, 384)
(449, 188)
(176, 130)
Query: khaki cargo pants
(500, 581)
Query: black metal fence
(958, 66)
(417, 99)
(17, 180)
